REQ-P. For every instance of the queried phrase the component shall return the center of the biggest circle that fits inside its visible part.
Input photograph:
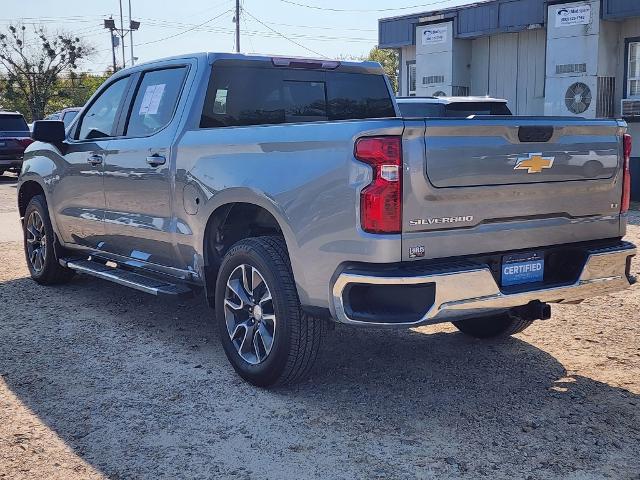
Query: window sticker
(151, 100)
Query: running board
(126, 278)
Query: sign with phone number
(567, 16)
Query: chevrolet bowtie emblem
(534, 163)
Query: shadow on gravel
(139, 387)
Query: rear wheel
(266, 336)
(39, 250)
(502, 325)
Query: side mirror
(50, 131)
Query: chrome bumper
(466, 291)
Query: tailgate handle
(535, 134)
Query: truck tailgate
(488, 185)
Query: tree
(73, 90)
(389, 61)
(33, 70)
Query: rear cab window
(13, 123)
(240, 95)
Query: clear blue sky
(322, 29)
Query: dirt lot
(97, 381)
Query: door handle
(95, 159)
(156, 160)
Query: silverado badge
(534, 163)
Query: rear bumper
(466, 289)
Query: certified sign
(434, 34)
(577, 15)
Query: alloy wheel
(249, 314)
(36, 241)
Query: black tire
(51, 272)
(1, 172)
(502, 325)
(297, 337)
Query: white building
(545, 57)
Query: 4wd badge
(417, 251)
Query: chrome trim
(473, 291)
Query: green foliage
(389, 61)
(38, 74)
(74, 90)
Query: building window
(411, 83)
(633, 75)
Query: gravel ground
(97, 381)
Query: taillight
(25, 141)
(626, 174)
(381, 200)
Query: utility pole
(133, 26)
(118, 34)
(124, 60)
(110, 25)
(131, 35)
(237, 26)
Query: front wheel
(39, 250)
(502, 325)
(266, 336)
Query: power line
(283, 36)
(365, 10)
(270, 34)
(208, 9)
(318, 27)
(170, 25)
(185, 31)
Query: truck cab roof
(277, 60)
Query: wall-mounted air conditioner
(630, 108)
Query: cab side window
(100, 119)
(155, 101)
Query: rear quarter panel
(304, 174)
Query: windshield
(464, 109)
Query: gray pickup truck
(293, 194)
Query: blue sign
(522, 268)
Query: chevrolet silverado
(293, 194)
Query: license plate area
(521, 268)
